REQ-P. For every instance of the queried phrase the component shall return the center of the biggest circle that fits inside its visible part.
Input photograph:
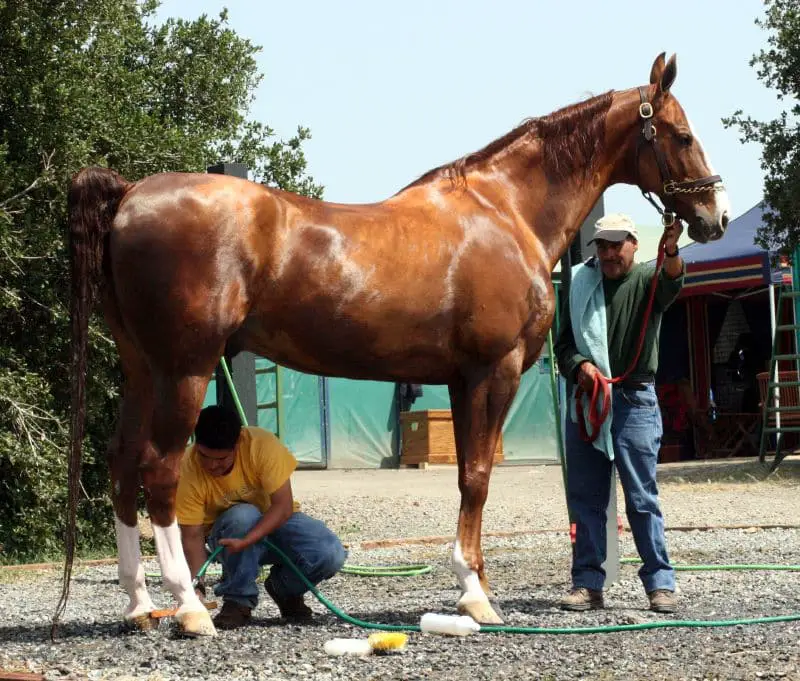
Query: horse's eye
(686, 138)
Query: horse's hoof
(142, 622)
(196, 624)
(479, 609)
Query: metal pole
(776, 391)
(796, 302)
(566, 280)
(557, 409)
(279, 403)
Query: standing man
(235, 491)
(600, 331)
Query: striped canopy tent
(733, 262)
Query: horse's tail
(93, 198)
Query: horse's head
(670, 161)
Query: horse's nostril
(724, 221)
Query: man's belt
(636, 383)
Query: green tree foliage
(778, 66)
(87, 82)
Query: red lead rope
(602, 383)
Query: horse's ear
(668, 76)
(658, 68)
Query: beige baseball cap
(614, 227)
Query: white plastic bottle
(348, 646)
(455, 625)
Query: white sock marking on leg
(467, 577)
(131, 571)
(174, 568)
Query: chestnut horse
(446, 282)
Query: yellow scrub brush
(384, 642)
(381, 643)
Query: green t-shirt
(626, 302)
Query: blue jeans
(308, 543)
(636, 432)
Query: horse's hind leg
(176, 406)
(124, 453)
(480, 400)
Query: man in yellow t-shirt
(234, 491)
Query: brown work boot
(232, 616)
(662, 600)
(580, 598)
(293, 608)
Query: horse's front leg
(479, 405)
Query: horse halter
(711, 183)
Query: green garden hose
(229, 380)
(417, 569)
(387, 570)
(661, 624)
(501, 629)
(413, 570)
(204, 566)
(735, 566)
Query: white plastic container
(454, 625)
(348, 646)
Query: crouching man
(235, 491)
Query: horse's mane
(572, 137)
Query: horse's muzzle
(702, 231)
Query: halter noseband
(710, 183)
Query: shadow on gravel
(94, 580)
(385, 617)
(529, 606)
(67, 632)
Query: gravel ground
(528, 572)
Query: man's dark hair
(217, 428)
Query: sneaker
(293, 608)
(580, 598)
(663, 600)
(232, 616)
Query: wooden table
(732, 434)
